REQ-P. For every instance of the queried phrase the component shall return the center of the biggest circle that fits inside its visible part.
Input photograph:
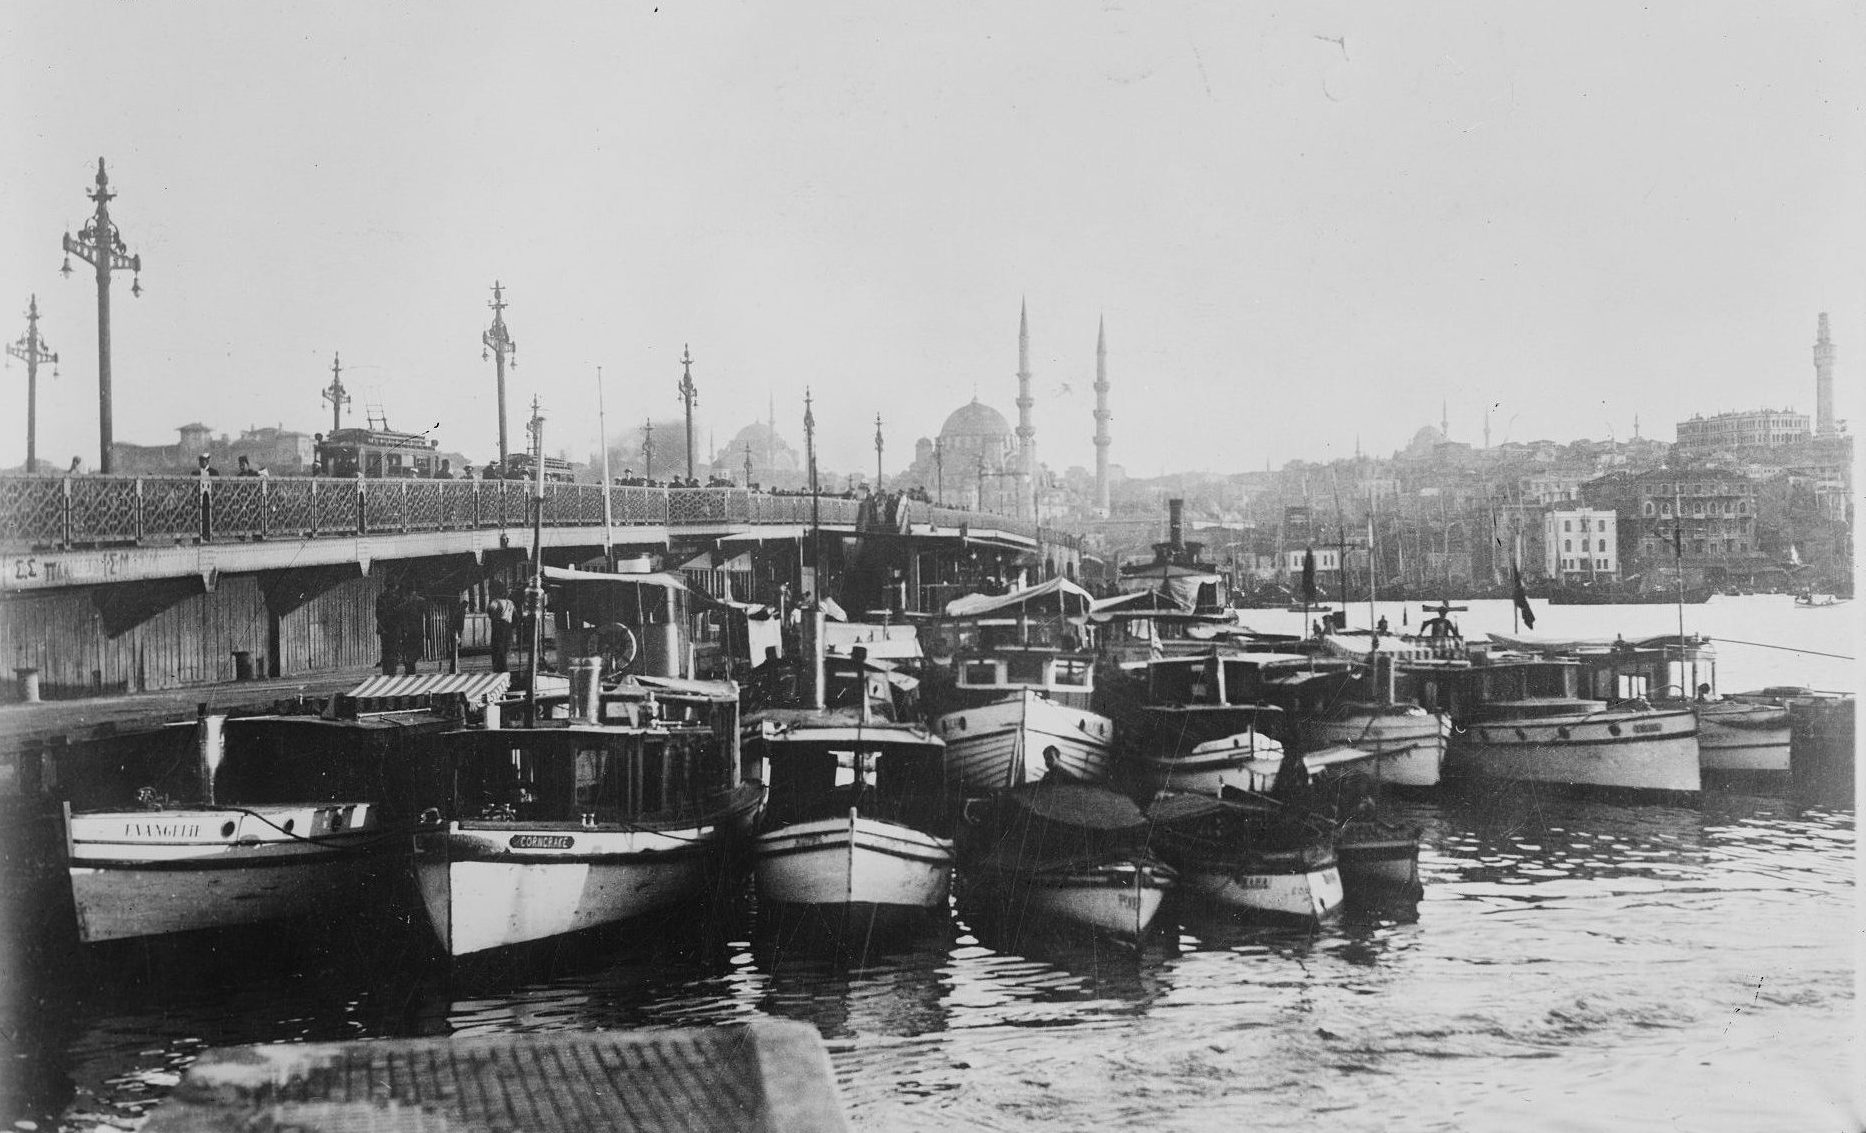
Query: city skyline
(1336, 219)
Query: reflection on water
(1560, 947)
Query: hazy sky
(1304, 223)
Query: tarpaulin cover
(1072, 600)
(1077, 804)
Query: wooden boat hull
(1409, 750)
(1246, 761)
(1609, 750)
(852, 861)
(493, 884)
(1118, 897)
(1377, 858)
(1021, 740)
(153, 873)
(1737, 738)
(1294, 885)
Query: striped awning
(385, 694)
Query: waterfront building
(1753, 428)
(1701, 518)
(1581, 545)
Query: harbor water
(1571, 965)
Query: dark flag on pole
(1521, 598)
(1308, 576)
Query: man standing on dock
(500, 612)
(389, 624)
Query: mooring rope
(1785, 648)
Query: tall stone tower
(1026, 477)
(1823, 380)
(1102, 439)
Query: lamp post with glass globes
(101, 245)
(498, 341)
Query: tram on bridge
(377, 454)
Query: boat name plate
(542, 842)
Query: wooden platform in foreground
(770, 1075)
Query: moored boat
(141, 873)
(630, 806)
(1246, 853)
(857, 823)
(1584, 744)
(1073, 854)
(858, 827)
(1021, 739)
(289, 816)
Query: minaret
(1823, 380)
(1444, 420)
(1102, 439)
(1026, 432)
(1486, 428)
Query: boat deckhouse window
(1070, 672)
(981, 672)
(1024, 669)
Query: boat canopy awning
(388, 694)
(1150, 604)
(1068, 598)
(661, 579)
(1534, 643)
(724, 692)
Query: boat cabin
(581, 774)
(818, 767)
(1039, 638)
(1662, 668)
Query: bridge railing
(89, 511)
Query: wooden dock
(771, 1076)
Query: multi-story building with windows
(1710, 512)
(1581, 545)
(1754, 428)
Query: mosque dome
(1425, 439)
(975, 420)
(769, 450)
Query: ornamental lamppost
(498, 341)
(689, 393)
(101, 245)
(877, 452)
(31, 350)
(337, 395)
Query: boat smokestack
(1176, 524)
(586, 690)
(813, 649)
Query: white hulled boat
(292, 819)
(1021, 739)
(1246, 853)
(630, 807)
(1522, 720)
(857, 817)
(149, 873)
(1072, 854)
(857, 826)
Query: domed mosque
(774, 463)
(979, 460)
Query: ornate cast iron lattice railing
(42, 512)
